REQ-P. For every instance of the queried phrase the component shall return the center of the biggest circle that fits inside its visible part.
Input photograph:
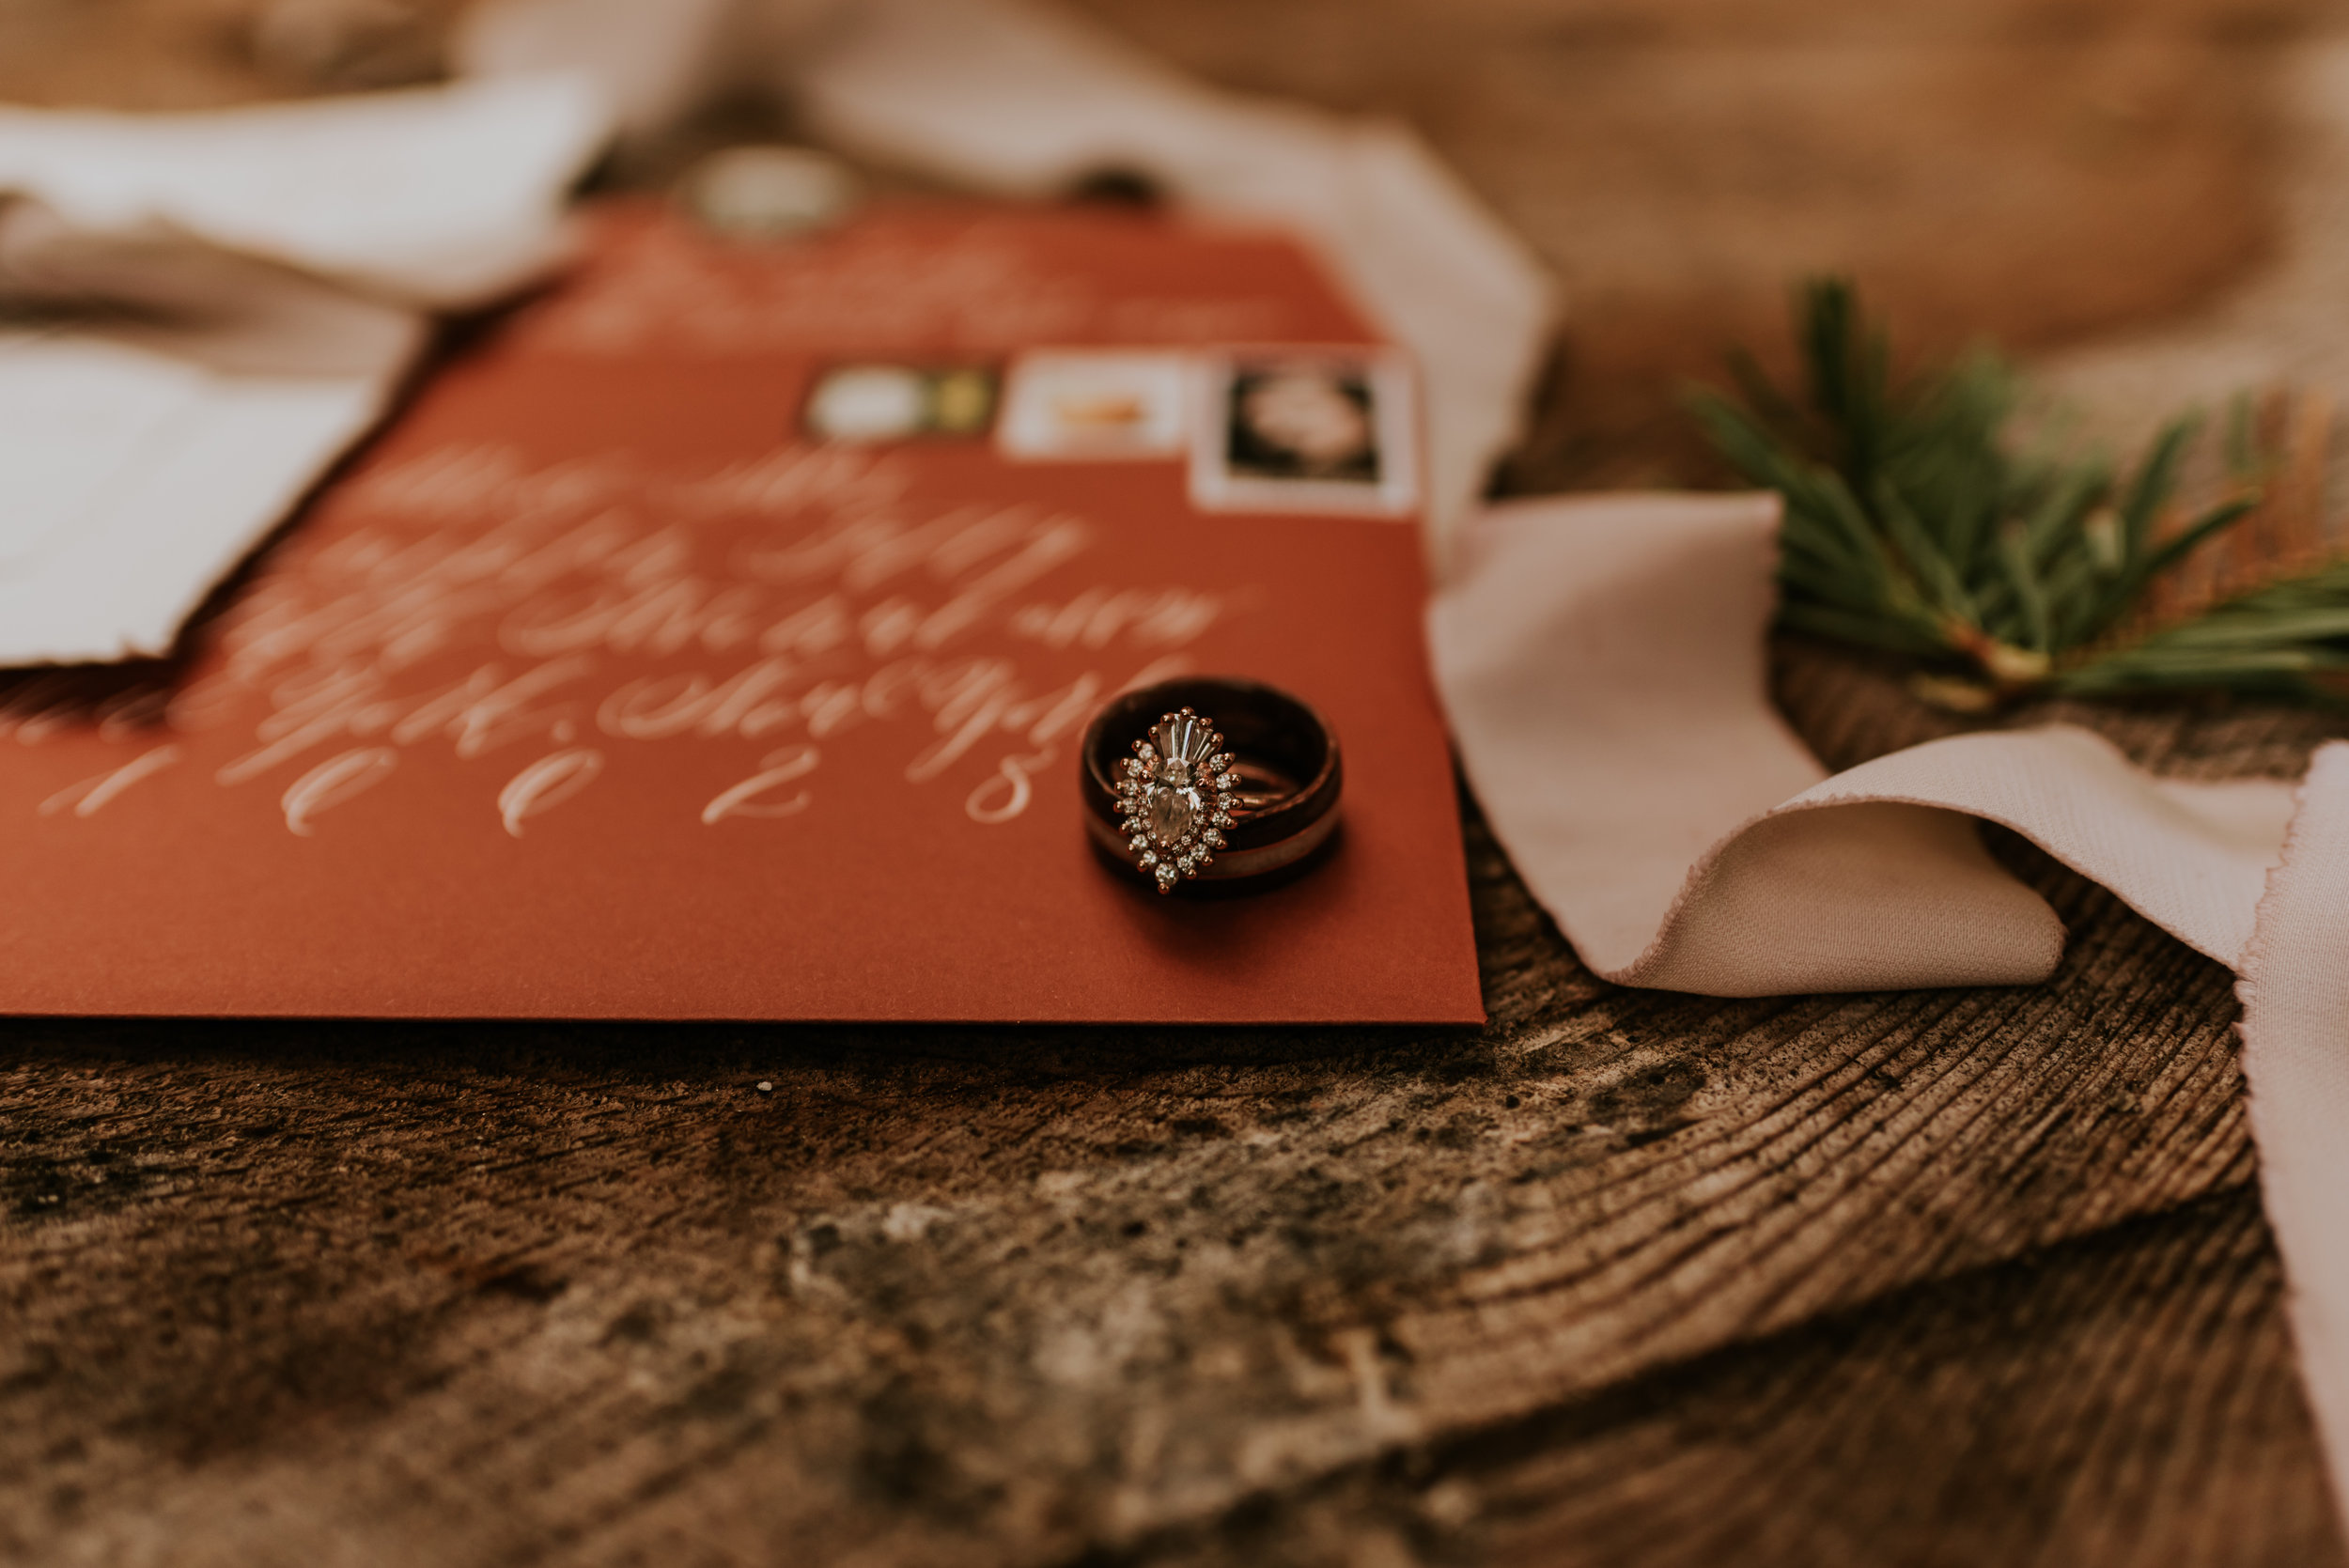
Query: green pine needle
(1912, 526)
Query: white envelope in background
(134, 477)
(200, 313)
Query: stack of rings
(1213, 779)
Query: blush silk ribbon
(1602, 662)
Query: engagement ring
(1186, 797)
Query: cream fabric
(1601, 661)
(2296, 1054)
(437, 196)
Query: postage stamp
(1305, 430)
(1095, 405)
(900, 403)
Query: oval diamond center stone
(1172, 812)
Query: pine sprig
(1913, 525)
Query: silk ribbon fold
(1602, 662)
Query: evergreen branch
(1912, 526)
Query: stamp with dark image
(1303, 420)
(1317, 431)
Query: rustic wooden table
(1626, 1278)
(1959, 1277)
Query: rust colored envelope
(598, 687)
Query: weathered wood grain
(2128, 1397)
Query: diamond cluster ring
(1179, 798)
(1174, 799)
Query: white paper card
(133, 479)
(200, 313)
